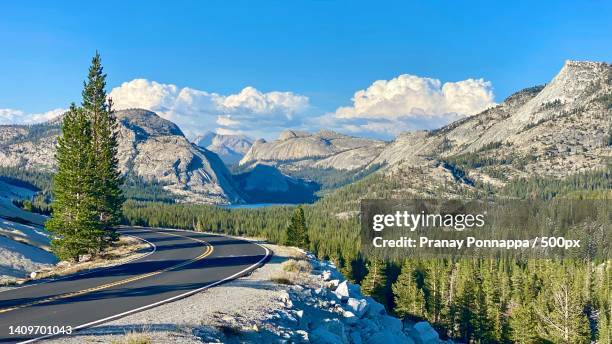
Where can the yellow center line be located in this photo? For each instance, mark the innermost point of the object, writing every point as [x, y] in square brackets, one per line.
[207, 252]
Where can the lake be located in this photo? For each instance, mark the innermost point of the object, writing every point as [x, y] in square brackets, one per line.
[257, 205]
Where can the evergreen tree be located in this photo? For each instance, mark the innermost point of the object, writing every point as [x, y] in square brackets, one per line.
[347, 268]
[523, 319]
[561, 306]
[409, 300]
[604, 331]
[436, 288]
[483, 326]
[74, 222]
[297, 233]
[108, 181]
[522, 322]
[375, 282]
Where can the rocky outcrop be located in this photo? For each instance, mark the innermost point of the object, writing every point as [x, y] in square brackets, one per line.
[295, 150]
[230, 148]
[149, 147]
[337, 312]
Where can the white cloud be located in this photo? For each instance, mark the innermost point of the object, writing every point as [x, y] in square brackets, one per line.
[384, 109]
[12, 116]
[249, 111]
[408, 102]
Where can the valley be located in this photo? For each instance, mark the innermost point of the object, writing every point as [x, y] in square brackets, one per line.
[543, 142]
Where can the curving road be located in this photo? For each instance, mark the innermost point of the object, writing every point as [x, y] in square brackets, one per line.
[181, 263]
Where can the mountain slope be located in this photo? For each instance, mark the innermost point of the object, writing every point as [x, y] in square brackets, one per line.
[230, 148]
[295, 149]
[554, 130]
[149, 147]
[266, 184]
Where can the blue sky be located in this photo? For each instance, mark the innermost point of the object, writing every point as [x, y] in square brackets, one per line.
[322, 51]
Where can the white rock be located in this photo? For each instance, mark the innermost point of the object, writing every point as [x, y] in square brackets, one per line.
[343, 291]
[333, 284]
[326, 275]
[63, 264]
[303, 334]
[33, 274]
[423, 333]
[284, 296]
[359, 307]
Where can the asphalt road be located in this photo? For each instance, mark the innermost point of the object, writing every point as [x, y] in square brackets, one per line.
[181, 263]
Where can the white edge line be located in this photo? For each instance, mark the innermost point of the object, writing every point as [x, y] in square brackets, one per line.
[91, 271]
[174, 298]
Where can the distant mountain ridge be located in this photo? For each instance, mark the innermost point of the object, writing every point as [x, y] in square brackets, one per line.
[294, 150]
[230, 148]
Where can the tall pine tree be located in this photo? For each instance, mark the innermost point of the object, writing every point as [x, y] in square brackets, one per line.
[86, 189]
[74, 222]
[409, 299]
[375, 282]
[108, 179]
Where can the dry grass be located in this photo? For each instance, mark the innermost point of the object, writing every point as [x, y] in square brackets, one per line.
[283, 279]
[125, 249]
[297, 266]
[135, 338]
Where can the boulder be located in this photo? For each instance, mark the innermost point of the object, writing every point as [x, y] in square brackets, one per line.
[358, 307]
[423, 333]
[333, 284]
[375, 309]
[326, 275]
[303, 335]
[329, 331]
[350, 318]
[386, 337]
[356, 338]
[322, 336]
[355, 291]
[390, 323]
[342, 291]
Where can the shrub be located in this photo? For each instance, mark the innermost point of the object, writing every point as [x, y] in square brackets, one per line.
[298, 266]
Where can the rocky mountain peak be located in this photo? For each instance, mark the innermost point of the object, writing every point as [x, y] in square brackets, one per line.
[557, 129]
[146, 123]
[291, 134]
